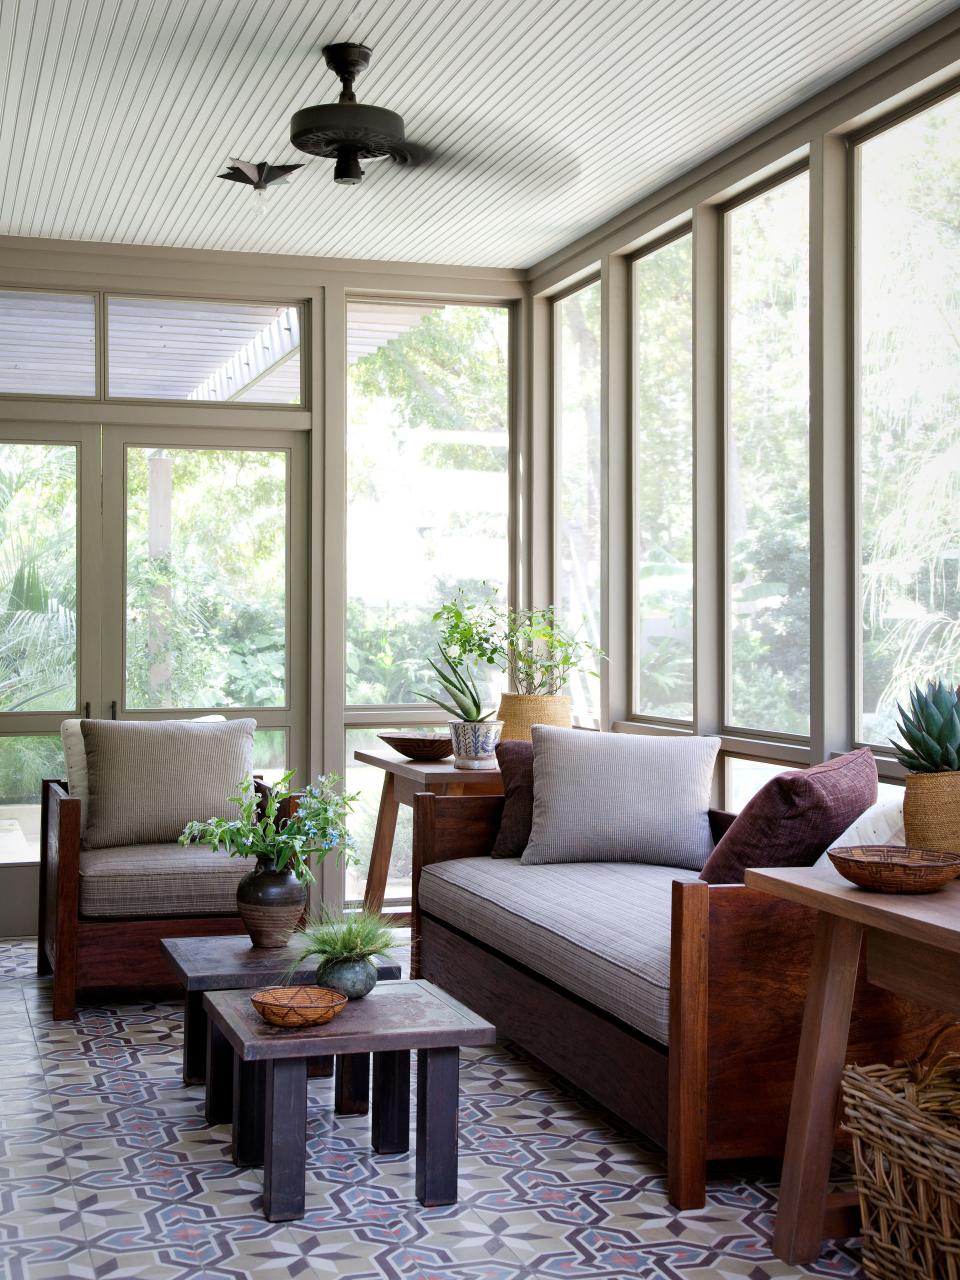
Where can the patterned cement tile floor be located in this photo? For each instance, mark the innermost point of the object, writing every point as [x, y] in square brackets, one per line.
[108, 1169]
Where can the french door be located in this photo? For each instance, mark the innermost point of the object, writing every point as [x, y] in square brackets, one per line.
[147, 573]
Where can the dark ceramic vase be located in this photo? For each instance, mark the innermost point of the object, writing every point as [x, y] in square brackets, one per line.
[352, 978]
[270, 903]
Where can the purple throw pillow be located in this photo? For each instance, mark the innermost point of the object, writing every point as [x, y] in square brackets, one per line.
[516, 766]
[791, 820]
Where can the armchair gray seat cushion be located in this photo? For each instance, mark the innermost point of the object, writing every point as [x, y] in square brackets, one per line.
[156, 880]
[599, 930]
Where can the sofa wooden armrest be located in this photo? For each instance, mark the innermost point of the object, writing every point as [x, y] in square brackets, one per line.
[740, 962]
[59, 888]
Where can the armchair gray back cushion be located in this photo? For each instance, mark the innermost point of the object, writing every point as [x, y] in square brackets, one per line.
[148, 779]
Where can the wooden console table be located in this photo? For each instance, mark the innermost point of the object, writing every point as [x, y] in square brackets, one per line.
[401, 781]
[912, 949]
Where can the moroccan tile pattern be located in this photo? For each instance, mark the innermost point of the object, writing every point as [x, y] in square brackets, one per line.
[107, 1169]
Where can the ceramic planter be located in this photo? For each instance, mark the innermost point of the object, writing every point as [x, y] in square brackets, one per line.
[270, 903]
[931, 811]
[521, 711]
[352, 978]
[475, 743]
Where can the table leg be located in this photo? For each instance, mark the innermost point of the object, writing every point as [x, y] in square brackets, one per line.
[382, 846]
[249, 1101]
[798, 1234]
[194, 1039]
[438, 1100]
[390, 1118]
[219, 1101]
[351, 1088]
[285, 1143]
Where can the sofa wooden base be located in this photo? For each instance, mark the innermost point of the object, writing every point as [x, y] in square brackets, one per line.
[739, 967]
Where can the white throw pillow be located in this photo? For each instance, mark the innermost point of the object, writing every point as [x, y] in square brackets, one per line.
[75, 758]
[882, 823]
[620, 797]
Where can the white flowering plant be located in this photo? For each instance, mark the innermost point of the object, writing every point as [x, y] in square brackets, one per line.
[316, 827]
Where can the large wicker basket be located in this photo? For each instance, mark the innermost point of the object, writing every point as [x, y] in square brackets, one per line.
[521, 711]
[905, 1123]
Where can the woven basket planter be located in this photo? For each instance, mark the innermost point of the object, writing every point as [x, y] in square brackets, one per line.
[905, 1124]
[521, 711]
[931, 811]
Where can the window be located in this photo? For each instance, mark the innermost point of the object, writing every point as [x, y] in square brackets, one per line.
[162, 349]
[25, 760]
[578, 443]
[38, 577]
[47, 344]
[767, 486]
[428, 489]
[663, 481]
[744, 778]
[909, 411]
[206, 577]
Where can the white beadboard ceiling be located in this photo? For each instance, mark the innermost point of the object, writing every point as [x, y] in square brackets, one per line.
[547, 116]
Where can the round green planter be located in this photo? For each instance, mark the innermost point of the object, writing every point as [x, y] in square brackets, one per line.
[352, 978]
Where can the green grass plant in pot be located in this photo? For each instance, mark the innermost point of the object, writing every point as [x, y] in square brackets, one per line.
[930, 751]
[285, 832]
[345, 947]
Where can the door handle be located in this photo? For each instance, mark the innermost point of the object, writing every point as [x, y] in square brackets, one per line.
[86, 711]
[113, 709]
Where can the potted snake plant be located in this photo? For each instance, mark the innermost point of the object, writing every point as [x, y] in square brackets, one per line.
[930, 752]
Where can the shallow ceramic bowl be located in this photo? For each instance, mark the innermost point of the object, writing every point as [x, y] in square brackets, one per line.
[893, 869]
[298, 1006]
[419, 746]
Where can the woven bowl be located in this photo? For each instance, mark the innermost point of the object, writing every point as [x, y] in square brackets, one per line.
[298, 1006]
[894, 869]
[419, 746]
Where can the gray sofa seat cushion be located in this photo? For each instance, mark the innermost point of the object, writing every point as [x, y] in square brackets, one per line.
[159, 880]
[599, 930]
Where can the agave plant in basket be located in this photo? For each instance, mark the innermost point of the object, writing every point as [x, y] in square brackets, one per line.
[930, 751]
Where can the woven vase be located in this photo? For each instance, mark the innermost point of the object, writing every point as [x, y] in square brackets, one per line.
[520, 711]
[931, 811]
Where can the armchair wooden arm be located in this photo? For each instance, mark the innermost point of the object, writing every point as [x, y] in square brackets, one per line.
[59, 892]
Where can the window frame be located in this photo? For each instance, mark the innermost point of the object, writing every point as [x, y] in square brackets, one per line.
[42, 397]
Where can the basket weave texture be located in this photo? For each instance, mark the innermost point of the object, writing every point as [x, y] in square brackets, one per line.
[905, 1124]
[298, 1006]
[521, 711]
[931, 811]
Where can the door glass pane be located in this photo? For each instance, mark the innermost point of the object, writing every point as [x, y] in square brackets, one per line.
[427, 483]
[270, 755]
[24, 762]
[578, 469]
[663, 481]
[368, 781]
[161, 349]
[909, 392]
[38, 577]
[768, 395]
[47, 344]
[206, 577]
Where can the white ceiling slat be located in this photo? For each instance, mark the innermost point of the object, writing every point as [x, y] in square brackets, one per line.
[550, 116]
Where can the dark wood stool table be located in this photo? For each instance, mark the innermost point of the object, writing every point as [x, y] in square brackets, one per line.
[230, 963]
[258, 1079]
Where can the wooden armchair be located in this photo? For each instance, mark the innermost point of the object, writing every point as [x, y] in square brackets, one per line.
[83, 946]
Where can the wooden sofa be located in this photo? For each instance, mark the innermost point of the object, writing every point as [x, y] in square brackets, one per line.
[738, 965]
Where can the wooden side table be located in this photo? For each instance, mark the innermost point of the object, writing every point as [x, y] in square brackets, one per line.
[912, 949]
[402, 779]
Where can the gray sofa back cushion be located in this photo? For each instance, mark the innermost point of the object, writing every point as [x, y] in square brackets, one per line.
[148, 779]
[619, 797]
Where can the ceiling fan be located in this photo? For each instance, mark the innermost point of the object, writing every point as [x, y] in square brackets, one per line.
[348, 131]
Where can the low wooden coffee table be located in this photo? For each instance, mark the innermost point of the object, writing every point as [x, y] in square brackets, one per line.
[231, 964]
[268, 1064]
